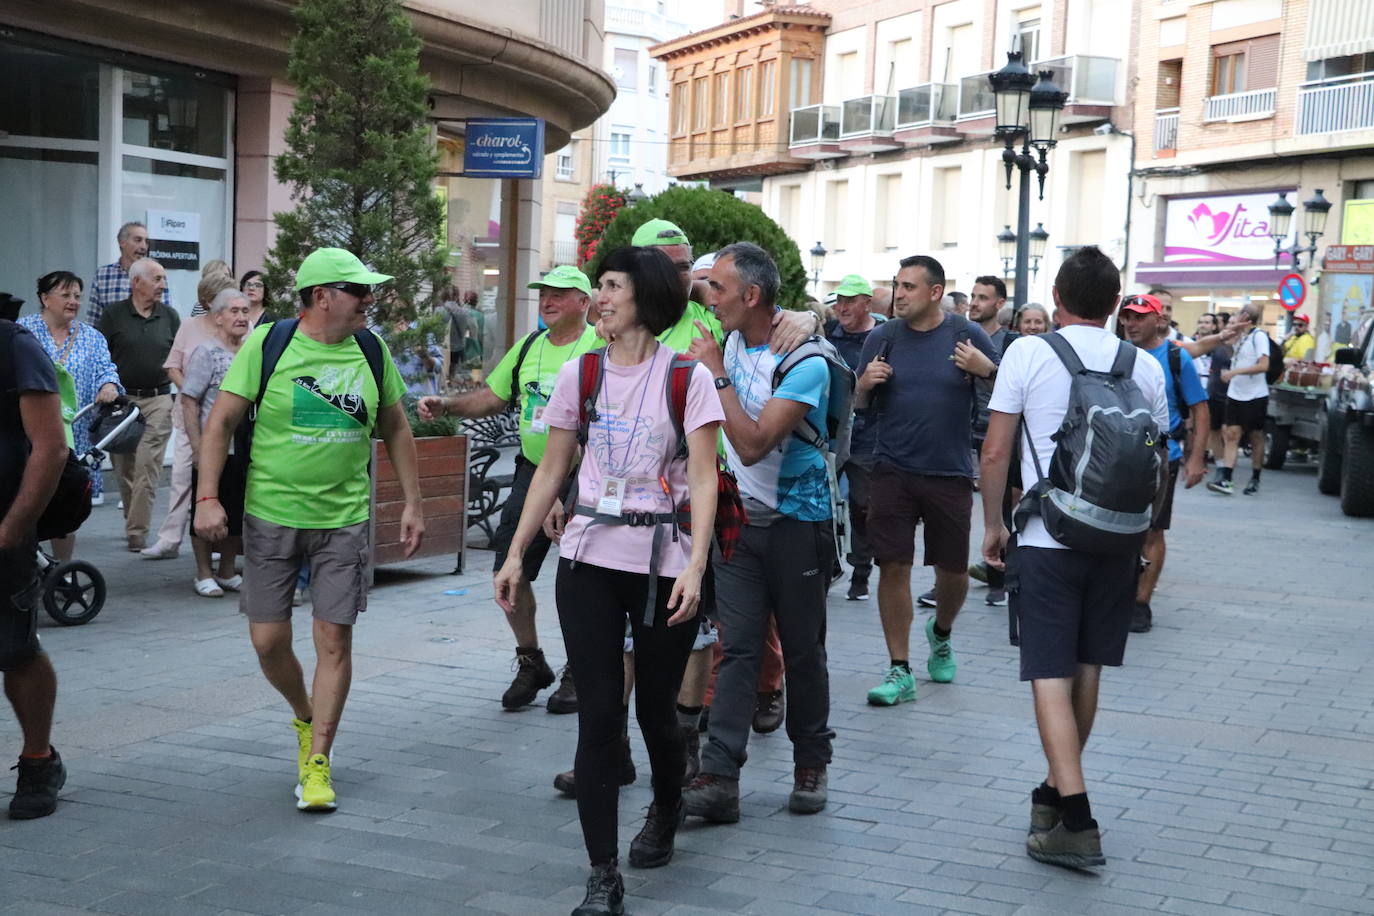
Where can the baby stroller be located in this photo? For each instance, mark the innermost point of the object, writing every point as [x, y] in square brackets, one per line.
[74, 591]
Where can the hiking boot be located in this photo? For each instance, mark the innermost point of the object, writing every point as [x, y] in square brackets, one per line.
[532, 675]
[605, 892]
[978, 572]
[997, 597]
[35, 794]
[1067, 848]
[713, 797]
[567, 782]
[1252, 487]
[1044, 818]
[769, 710]
[1142, 618]
[926, 599]
[653, 846]
[691, 739]
[305, 735]
[940, 664]
[1224, 487]
[899, 685]
[858, 585]
[564, 699]
[316, 790]
[808, 790]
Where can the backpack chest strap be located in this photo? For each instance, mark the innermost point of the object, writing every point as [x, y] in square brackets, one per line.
[640, 520]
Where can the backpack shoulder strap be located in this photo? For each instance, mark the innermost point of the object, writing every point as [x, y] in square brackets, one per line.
[274, 344]
[590, 372]
[806, 431]
[1066, 353]
[679, 380]
[1124, 364]
[514, 401]
[372, 352]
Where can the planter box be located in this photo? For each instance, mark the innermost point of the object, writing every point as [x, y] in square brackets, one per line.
[443, 471]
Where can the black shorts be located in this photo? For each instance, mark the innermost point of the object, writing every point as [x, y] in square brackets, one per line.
[233, 487]
[1216, 410]
[1248, 415]
[900, 499]
[1073, 608]
[510, 520]
[20, 588]
[1165, 512]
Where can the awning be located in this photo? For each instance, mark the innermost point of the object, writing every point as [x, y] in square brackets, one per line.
[1338, 28]
[1230, 275]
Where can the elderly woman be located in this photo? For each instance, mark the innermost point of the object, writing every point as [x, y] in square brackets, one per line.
[229, 316]
[190, 335]
[1035, 319]
[81, 350]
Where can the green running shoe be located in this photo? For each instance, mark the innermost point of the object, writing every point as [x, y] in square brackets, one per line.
[898, 685]
[941, 662]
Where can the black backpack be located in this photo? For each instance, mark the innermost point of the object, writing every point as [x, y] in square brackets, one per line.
[273, 346]
[1099, 494]
[1274, 371]
[70, 504]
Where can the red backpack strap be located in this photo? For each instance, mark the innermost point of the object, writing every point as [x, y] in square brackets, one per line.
[679, 381]
[588, 387]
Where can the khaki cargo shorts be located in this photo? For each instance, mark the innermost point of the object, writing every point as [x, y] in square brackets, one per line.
[272, 557]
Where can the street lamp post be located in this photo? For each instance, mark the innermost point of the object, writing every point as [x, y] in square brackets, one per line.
[1006, 249]
[1314, 213]
[817, 261]
[636, 194]
[1027, 109]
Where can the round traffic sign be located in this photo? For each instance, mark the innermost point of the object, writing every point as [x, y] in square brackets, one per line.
[1292, 291]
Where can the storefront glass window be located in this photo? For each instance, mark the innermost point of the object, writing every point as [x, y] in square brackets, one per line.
[48, 95]
[49, 201]
[191, 196]
[174, 113]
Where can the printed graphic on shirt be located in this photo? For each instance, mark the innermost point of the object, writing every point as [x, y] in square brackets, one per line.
[334, 402]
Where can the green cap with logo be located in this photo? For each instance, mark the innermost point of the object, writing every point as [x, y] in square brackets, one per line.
[335, 265]
[854, 285]
[564, 276]
[658, 232]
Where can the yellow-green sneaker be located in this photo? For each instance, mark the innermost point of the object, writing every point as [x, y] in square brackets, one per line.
[305, 734]
[316, 791]
[941, 663]
[898, 685]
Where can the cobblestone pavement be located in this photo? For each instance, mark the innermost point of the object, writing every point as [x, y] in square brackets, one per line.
[1230, 768]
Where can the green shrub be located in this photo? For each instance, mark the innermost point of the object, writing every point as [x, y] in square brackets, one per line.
[712, 220]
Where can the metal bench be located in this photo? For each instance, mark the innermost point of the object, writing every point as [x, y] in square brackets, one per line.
[488, 436]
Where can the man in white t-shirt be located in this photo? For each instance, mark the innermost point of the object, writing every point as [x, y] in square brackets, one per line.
[1074, 608]
[1247, 401]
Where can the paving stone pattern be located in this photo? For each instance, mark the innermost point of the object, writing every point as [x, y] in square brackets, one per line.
[1230, 768]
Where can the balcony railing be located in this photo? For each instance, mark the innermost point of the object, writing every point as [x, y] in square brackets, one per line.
[975, 96]
[1166, 129]
[627, 20]
[815, 124]
[868, 115]
[1087, 80]
[1336, 104]
[928, 103]
[1239, 105]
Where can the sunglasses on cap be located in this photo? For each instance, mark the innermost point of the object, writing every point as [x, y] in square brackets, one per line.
[358, 290]
[1140, 301]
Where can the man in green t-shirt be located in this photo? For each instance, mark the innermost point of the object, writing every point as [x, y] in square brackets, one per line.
[309, 496]
[564, 294]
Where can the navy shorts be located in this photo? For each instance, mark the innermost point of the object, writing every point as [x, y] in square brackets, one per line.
[1073, 608]
[510, 520]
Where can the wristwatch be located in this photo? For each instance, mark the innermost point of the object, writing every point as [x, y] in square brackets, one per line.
[723, 382]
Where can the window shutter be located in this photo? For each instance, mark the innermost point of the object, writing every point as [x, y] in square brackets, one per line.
[1262, 62]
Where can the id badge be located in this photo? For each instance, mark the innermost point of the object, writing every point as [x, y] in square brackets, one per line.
[612, 495]
[537, 422]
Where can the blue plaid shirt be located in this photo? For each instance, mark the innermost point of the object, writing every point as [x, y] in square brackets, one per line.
[111, 284]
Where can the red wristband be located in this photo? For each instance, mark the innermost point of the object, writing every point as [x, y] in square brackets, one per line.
[204, 498]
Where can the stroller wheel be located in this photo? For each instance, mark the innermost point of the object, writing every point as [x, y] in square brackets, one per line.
[73, 593]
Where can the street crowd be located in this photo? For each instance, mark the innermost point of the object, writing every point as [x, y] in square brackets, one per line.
[701, 459]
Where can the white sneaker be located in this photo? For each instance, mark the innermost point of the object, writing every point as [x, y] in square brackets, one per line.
[98, 500]
[121, 505]
[160, 551]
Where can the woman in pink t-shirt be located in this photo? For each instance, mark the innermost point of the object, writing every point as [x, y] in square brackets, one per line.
[629, 486]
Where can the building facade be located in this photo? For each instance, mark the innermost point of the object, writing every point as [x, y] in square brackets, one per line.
[127, 114]
[868, 127]
[1242, 100]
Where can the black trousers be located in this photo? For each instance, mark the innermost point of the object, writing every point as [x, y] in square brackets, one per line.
[593, 603]
[860, 483]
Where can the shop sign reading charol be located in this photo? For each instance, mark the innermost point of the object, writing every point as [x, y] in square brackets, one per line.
[1220, 228]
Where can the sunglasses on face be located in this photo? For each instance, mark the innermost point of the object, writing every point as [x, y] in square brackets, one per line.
[357, 290]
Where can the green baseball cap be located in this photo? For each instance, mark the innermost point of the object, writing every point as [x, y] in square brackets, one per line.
[335, 265]
[854, 285]
[658, 232]
[564, 276]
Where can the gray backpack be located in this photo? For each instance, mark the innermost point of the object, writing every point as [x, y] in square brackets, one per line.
[1099, 495]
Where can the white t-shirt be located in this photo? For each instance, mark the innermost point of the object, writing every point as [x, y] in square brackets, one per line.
[1033, 382]
[1247, 353]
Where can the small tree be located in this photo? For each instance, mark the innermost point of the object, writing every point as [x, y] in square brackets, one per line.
[599, 207]
[712, 220]
[360, 158]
